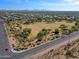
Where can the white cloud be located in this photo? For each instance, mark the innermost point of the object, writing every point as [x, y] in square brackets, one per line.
[60, 4]
[72, 2]
[65, 5]
[69, 0]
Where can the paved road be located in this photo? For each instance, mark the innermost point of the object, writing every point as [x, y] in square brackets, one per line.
[48, 45]
[4, 44]
[10, 55]
[3, 40]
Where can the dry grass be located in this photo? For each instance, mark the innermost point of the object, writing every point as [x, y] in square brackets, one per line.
[36, 27]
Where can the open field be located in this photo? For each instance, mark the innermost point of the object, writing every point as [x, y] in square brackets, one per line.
[36, 27]
[24, 41]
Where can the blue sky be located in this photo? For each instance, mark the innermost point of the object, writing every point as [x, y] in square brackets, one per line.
[54, 5]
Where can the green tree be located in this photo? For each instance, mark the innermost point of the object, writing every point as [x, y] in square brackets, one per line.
[56, 31]
[23, 35]
[42, 33]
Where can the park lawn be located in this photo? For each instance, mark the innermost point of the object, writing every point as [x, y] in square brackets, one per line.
[38, 26]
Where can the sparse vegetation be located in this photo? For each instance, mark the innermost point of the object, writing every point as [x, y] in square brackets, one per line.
[37, 29]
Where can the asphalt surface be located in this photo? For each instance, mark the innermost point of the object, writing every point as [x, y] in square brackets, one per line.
[4, 44]
[10, 55]
[48, 45]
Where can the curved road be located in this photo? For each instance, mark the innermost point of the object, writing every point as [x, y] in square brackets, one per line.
[10, 55]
